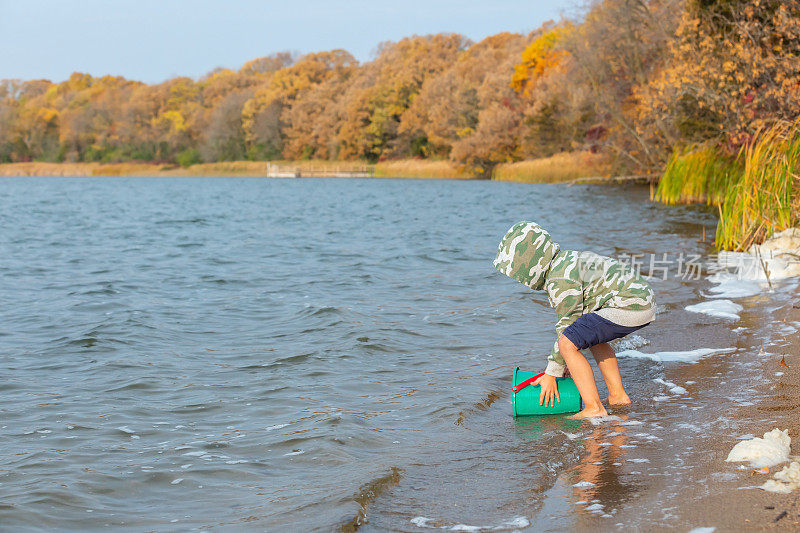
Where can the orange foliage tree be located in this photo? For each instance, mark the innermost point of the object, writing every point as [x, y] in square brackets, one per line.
[629, 78]
[733, 68]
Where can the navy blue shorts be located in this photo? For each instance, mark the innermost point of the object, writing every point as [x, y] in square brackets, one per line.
[592, 329]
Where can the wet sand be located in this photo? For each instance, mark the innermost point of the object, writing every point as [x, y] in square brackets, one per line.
[661, 465]
[732, 506]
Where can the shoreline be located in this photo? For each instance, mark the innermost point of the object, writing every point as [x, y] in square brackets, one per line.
[572, 167]
[737, 502]
[687, 482]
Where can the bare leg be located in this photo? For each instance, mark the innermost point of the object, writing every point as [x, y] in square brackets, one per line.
[584, 379]
[607, 362]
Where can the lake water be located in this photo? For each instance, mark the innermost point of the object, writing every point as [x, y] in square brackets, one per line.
[298, 355]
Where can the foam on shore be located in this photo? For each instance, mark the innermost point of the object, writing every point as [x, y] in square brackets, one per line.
[776, 258]
[717, 308]
[786, 481]
[771, 450]
[631, 342]
[520, 522]
[733, 286]
[691, 356]
[673, 388]
[755, 269]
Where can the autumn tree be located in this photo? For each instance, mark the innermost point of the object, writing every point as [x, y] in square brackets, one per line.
[447, 106]
[733, 68]
[262, 114]
[495, 140]
[614, 53]
[267, 65]
[35, 130]
[223, 136]
[313, 121]
[384, 89]
[631, 78]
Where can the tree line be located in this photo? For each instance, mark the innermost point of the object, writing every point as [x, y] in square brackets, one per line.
[633, 79]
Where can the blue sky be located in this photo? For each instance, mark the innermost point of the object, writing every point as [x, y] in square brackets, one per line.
[152, 40]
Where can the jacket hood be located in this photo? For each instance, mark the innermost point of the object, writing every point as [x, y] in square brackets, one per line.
[525, 254]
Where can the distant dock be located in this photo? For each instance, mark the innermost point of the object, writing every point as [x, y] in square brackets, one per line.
[343, 171]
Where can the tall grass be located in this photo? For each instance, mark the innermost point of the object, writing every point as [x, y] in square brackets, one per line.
[419, 168]
[756, 191]
[697, 175]
[766, 197]
[565, 166]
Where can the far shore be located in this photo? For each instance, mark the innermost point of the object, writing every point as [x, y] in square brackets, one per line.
[564, 167]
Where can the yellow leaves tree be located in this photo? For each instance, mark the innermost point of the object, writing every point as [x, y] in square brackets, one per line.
[632, 78]
[261, 115]
[448, 104]
[385, 88]
[540, 57]
[733, 69]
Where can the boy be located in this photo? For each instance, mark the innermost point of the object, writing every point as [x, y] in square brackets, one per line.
[597, 299]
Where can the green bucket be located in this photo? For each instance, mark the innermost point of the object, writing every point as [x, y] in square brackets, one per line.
[525, 402]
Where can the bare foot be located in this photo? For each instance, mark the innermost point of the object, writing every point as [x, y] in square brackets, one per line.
[590, 412]
[619, 399]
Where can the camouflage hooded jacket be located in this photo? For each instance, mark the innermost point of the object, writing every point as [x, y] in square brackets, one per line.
[576, 282]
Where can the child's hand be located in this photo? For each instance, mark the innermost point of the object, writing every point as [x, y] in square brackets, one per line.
[549, 394]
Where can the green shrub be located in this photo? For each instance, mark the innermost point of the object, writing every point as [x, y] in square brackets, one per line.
[188, 157]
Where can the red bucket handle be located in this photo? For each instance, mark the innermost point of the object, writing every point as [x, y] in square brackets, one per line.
[519, 386]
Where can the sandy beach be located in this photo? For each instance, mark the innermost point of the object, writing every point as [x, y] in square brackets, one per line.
[731, 503]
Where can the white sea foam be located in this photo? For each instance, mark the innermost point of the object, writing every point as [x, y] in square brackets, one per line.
[777, 256]
[707, 529]
[198, 453]
[583, 485]
[595, 507]
[786, 481]
[732, 286]
[691, 356]
[744, 274]
[717, 308]
[296, 452]
[276, 426]
[770, 450]
[514, 523]
[519, 521]
[598, 420]
[673, 388]
[631, 342]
